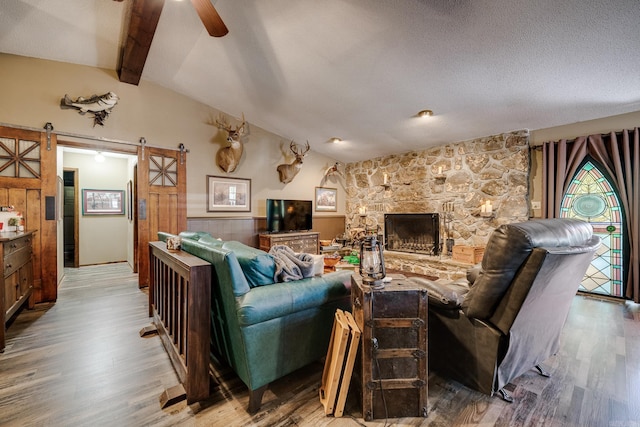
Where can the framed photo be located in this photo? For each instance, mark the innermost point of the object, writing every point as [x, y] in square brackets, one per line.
[103, 202]
[226, 194]
[326, 199]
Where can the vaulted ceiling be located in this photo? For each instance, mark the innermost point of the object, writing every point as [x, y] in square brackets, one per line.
[358, 69]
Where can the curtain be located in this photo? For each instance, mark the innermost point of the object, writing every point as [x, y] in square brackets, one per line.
[619, 154]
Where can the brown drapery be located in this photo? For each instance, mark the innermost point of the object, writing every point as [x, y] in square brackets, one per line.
[619, 154]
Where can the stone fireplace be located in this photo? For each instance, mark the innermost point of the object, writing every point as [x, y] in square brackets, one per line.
[461, 176]
[412, 232]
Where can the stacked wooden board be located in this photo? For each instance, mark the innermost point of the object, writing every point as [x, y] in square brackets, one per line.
[338, 366]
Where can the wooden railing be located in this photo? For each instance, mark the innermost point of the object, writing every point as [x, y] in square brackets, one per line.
[180, 304]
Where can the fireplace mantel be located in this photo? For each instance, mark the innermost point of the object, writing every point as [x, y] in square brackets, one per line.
[442, 267]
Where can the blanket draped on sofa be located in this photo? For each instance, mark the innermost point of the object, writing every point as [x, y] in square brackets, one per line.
[289, 265]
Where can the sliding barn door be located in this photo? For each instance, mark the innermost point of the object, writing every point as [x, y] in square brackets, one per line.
[162, 204]
[28, 183]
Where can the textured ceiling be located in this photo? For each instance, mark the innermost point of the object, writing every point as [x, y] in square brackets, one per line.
[361, 69]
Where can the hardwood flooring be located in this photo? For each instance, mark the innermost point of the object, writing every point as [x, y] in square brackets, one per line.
[82, 362]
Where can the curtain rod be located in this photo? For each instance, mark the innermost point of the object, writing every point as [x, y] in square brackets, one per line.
[618, 133]
[89, 137]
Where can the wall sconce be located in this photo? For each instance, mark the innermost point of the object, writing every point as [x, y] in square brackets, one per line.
[362, 211]
[372, 263]
[486, 209]
[440, 178]
[385, 181]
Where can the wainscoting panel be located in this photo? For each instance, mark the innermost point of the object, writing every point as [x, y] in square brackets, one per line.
[246, 230]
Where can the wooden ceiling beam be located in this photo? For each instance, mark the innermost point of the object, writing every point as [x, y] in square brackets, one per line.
[145, 15]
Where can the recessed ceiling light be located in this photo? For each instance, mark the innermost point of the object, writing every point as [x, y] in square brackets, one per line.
[335, 139]
[425, 113]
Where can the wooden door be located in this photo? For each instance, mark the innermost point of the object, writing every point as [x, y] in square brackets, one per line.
[28, 182]
[162, 206]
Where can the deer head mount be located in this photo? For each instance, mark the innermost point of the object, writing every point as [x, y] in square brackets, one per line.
[228, 158]
[288, 171]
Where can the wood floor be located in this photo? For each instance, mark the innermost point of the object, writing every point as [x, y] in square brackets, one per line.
[81, 362]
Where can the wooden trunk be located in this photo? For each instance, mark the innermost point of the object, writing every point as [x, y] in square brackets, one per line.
[392, 371]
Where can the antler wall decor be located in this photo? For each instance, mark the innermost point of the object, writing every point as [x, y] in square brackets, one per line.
[331, 171]
[228, 158]
[288, 171]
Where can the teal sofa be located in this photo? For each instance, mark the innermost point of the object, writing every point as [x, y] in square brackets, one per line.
[261, 329]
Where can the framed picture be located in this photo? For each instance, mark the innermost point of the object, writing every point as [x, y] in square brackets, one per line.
[226, 194]
[326, 199]
[103, 202]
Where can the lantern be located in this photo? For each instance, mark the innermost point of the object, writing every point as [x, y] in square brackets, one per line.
[372, 262]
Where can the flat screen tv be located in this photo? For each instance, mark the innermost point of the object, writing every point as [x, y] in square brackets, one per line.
[289, 215]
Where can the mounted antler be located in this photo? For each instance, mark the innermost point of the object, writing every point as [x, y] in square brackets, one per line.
[228, 158]
[288, 171]
[333, 170]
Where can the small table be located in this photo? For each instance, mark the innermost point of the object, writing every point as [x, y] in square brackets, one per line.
[392, 361]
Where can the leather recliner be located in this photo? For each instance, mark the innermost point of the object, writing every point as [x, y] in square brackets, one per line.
[507, 317]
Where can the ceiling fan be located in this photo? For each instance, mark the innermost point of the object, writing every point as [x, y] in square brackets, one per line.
[210, 18]
[141, 30]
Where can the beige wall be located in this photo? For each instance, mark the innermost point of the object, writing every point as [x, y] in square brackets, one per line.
[103, 238]
[31, 92]
[571, 131]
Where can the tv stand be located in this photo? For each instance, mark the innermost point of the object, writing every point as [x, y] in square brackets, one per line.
[306, 241]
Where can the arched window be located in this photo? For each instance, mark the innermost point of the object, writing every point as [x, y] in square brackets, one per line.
[592, 198]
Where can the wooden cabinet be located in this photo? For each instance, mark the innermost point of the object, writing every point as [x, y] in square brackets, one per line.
[306, 242]
[17, 281]
[392, 367]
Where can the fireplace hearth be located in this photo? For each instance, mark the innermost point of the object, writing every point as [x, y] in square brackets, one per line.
[412, 232]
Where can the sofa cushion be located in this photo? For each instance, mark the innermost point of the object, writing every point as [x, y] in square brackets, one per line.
[193, 235]
[271, 302]
[258, 266]
[208, 239]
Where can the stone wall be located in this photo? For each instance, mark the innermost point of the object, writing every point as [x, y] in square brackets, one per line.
[494, 168]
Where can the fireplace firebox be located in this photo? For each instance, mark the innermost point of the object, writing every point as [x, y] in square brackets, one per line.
[412, 232]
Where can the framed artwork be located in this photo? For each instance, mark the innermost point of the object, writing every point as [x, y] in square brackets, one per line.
[226, 194]
[102, 202]
[326, 199]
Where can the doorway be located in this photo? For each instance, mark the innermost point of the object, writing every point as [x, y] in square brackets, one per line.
[88, 236]
[70, 218]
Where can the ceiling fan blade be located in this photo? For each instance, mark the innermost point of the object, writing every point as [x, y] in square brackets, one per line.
[210, 18]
